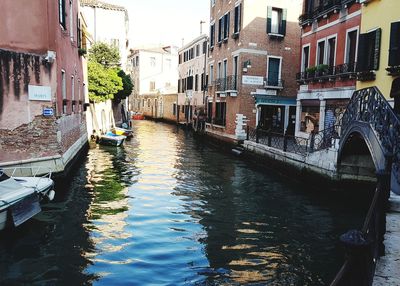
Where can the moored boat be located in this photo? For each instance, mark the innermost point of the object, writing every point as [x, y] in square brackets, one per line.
[122, 131]
[111, 139]
[21, 197]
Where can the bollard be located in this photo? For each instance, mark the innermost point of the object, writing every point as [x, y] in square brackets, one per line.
[248, 133]
[269, 135]
[285, 139]
[256, 134]
[358, 253]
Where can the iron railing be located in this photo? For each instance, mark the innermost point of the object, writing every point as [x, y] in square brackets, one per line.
[322, 8]
[328, 73]
[323, 139]
[364, 247]
[274, 82]
[284, 142]
[226, 83]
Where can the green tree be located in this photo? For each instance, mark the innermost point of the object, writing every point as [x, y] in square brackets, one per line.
[105, 55]
[104, 82]
[127, 86]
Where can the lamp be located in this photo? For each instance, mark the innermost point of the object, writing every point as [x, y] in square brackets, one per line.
[246, 65]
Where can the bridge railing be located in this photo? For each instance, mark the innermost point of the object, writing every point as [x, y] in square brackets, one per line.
[364, 247]
[370, 106]
[324, 139]
[284, 142]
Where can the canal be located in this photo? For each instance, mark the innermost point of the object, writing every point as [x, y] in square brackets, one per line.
[168, 209]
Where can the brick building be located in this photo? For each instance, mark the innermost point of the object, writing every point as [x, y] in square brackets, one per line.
[192, 79]
[42, 84]
[327, 75]
[252, 63]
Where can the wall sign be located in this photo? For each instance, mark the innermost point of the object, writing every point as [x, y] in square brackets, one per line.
[48, 112]
[39, 93]
[252, 80]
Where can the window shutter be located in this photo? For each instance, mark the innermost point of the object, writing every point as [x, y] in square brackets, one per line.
[227, 24]
[269, 19]
[394, 49]
[283, 24]
[377, 48]
[362, 53]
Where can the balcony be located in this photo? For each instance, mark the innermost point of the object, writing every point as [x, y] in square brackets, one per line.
[323, 73]
[226, 84]
[323, 8]
[273, 83]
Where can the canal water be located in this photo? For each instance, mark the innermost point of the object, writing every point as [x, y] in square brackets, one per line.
[169, 209]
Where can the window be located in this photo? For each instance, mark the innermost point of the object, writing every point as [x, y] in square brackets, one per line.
[196, 82]
[115, 43]
[235, 72]
[152, 62]
[189, 82]
[394, 48]
[276, 21]
[61, 13]
[238, 15]
[219, 71]
[321, 52]
[212, 35]
[225, 70]
[174, 109]
[71, 21]
[63, 85]
[226, 26]
[212, 3]
[197, 50]
[220, 113]
[369, 51]
[204, 47]
[305, 61]
[351, 47]
[274, 71]
[220, 29]
[211, 74]
[73, 93]
[331, 51]
[152, 85]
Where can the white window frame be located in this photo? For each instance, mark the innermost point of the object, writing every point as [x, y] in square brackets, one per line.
[302, 56]
[225, 68]
[357, 28]
[71, 21]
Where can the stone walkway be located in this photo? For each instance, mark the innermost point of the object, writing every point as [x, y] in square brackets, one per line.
[387, 271]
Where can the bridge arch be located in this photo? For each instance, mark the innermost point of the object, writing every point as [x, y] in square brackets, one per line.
[360, 154]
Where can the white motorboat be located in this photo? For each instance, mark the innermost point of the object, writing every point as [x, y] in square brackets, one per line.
[20, 197]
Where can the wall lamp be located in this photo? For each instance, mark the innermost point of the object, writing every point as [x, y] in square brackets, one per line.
[246, 65]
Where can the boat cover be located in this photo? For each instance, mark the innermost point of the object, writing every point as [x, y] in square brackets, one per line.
[11, 190]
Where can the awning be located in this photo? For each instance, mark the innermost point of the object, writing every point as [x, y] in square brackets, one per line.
[275, 100]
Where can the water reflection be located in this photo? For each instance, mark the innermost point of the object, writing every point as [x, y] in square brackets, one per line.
[165, 209]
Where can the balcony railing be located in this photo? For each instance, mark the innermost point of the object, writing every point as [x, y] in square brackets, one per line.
[273, 83]
[228, 83]
[324, 73]
[324, 7]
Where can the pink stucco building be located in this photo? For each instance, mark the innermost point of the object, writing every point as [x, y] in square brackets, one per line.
[42, 83]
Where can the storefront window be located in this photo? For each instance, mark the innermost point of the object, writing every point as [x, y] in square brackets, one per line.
[309, 119]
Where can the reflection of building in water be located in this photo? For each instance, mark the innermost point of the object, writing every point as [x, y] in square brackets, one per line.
[108, 210]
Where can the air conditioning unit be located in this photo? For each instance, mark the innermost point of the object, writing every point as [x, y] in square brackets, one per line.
[50, 57]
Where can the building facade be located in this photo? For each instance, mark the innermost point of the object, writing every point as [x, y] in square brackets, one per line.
[192, 79]
[154, 74]
[99, 15]
[42, 84]
[252, 64]
[327, 75]
[379, 48]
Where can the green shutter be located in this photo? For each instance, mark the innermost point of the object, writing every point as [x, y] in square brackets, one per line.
[377, 48]
[362, 53]
[282, 27]
[394, 49]
[269, 19]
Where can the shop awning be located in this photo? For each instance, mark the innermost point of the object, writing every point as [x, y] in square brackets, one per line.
[275, 100]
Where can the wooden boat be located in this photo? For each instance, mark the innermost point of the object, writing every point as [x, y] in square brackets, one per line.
[21, 197]
[111, 139]
[122, 131]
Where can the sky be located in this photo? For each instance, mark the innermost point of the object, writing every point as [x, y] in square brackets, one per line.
[165, 22]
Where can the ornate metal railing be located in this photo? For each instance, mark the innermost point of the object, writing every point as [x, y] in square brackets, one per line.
[284, 142]
[226, 83]
[369, 105]
[273, 82]
[328, 73]
[364, 247]
[323, 139]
